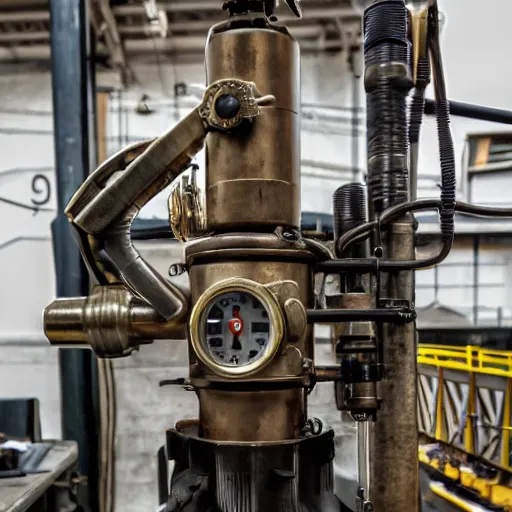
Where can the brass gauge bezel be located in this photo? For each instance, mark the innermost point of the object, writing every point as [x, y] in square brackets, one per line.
[198, 320]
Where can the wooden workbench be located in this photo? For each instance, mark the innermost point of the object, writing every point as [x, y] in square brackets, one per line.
[18, 494]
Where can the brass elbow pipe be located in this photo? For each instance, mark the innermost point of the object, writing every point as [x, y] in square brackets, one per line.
[111, 321]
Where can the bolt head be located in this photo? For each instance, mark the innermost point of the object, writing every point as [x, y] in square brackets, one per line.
[227, 106]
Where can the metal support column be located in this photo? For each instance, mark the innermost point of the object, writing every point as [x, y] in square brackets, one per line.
[395, 469]
[73, 106]
[476, 254]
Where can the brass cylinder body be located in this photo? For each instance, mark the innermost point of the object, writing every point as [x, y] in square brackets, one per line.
[254, 416]
[253, 174]
[267, 415]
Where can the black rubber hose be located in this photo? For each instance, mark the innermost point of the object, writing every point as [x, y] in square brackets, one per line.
[361, 232]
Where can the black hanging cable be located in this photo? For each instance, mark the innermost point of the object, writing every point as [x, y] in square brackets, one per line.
[361, 232]
[446, 149]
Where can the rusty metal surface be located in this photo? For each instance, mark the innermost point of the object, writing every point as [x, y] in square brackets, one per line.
[394, 474]
[265, 415]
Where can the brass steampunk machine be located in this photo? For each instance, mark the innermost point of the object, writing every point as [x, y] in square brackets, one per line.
[252, 302]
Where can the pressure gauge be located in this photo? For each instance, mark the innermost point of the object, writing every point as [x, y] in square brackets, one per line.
[236, 327]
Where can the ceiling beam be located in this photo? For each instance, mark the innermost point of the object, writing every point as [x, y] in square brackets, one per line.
[105, 25]
[24, 37]
[185, 46]
[303, 31]
[17, 16]
[195, 7]
[214, 6]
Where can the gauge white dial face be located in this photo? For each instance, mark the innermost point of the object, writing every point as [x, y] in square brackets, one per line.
[237, 329]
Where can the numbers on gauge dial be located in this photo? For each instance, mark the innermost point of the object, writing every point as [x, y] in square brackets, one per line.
[237, 329]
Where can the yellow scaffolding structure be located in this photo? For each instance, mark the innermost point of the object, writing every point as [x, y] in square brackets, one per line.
[473, 361]
[462, 382]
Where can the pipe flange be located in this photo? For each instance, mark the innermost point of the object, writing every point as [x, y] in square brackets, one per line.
[107, 322]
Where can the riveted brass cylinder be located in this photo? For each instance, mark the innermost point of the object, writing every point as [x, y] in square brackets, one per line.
[240, 414]
[253, 175]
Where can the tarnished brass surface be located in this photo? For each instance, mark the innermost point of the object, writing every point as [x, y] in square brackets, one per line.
[328, 373]
[98, 179]
[296, 319]
[419, 28]
[277, 244]
[111, 321]
[150, 173]
[204, 276]
[394, 474]
[253, 176]
[233, 202]
[251, 416]
[250, 101]
[267, 415]
[264, 272]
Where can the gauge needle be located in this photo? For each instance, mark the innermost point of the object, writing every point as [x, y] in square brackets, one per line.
[236, 326]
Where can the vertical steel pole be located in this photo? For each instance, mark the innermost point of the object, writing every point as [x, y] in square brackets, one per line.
[73, 107]
[476, 268]
[394, 479]
[395, 472]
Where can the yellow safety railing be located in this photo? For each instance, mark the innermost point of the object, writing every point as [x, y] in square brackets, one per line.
[472, 360]
[468, 359]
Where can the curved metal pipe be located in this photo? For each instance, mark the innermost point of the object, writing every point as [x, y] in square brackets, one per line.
[103, 213]
[138, 275]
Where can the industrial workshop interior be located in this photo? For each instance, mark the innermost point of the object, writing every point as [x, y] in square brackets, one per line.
[256, 256]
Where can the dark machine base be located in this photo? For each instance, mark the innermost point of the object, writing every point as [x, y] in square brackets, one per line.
[210, 476]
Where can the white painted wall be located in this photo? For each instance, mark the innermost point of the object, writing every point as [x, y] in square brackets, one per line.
[478, 70]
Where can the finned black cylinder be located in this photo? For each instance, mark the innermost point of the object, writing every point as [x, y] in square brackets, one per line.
[350, 211]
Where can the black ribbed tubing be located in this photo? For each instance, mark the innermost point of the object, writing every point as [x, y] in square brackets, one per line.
[387, 83]
[446, 149]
